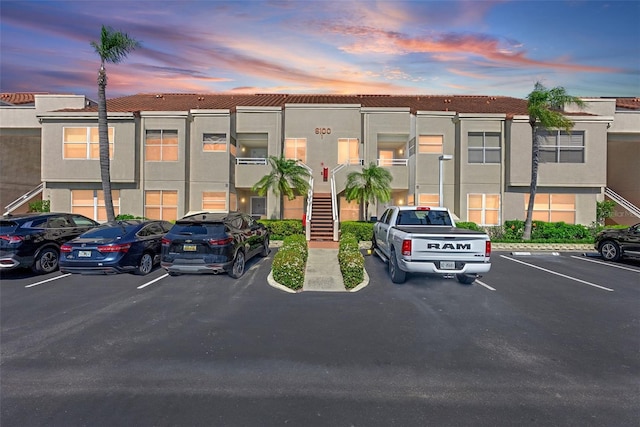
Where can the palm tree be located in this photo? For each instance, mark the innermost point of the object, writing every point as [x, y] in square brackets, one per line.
[112, 48]
[287, 177]
[545, 111]
[373, 183]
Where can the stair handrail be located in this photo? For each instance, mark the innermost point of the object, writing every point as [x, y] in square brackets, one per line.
[23, 199]
[334, 201]
[622, 201]
[309, 200]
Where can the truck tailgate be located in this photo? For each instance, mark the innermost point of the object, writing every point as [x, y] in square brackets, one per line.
[446, 243]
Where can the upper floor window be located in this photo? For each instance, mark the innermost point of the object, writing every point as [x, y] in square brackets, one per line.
[484, 147]
[430, 144]
[348, 151]
[84, 143]
[214, 142]
[296, 149]
[161, 145]
[561, 147]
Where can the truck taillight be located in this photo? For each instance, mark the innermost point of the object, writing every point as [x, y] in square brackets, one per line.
[406, 247]
[487, 248]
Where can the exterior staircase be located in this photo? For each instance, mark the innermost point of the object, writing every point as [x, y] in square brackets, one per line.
[321, 226]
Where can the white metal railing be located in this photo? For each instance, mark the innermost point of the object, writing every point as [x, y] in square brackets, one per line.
[622, 201]
[23, 199]
[309, 200]
[354, 162]
[334, 201]
[393, 162]
[251, 161]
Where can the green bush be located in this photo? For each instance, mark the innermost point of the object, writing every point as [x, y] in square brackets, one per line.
[363, 231]
[290, 261]
[468, 225]
[124, 217]
[40, 206]
[351, 261]
[281, 228]
[541, 232]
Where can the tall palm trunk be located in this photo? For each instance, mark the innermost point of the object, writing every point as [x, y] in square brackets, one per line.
[535, 155]
[103, 138]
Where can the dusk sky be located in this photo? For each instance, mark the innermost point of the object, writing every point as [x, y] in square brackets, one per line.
[592, 48]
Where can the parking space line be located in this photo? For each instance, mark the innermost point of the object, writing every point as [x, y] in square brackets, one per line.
[153, 281]
[48, 280]
[606, 263]
[558, 274]
[485, 285]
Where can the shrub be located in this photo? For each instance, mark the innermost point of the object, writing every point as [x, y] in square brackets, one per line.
[40, 206]
[543, 232]
[124, 217]
[351, 261]
[468, 225]
[363, 231]
[281, 228]
[290, 261]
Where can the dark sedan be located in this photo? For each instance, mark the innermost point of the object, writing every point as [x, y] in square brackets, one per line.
[33, 240]
[213, 243]
[132, 246]
[613, 244]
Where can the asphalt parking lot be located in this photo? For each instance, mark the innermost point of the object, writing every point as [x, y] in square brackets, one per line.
[540, 340]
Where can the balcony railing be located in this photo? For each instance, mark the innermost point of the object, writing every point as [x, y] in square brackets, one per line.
[251, 161]
[393, 162]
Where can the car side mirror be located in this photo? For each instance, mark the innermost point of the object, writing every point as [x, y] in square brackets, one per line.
[373, 219]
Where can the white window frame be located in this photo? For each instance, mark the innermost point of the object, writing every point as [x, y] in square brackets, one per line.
[559, 146]
[296, 143]
[484, 208]
[221, 139]
[429, 144]
[111, 130]
[484, 148]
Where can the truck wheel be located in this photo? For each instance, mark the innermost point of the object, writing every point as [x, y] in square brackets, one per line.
[610, 250]
[397, 275]
[466, 279]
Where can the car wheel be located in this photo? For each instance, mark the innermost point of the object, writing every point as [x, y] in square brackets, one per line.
[466, 279]
[237, 269]
[610, 250]
[397, 275]
[46, 261]
[145, 265]
[265, 248]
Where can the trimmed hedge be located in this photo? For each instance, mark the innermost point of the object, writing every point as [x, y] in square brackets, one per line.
[281, 228]
[361, 230]
[351, 261]
[290, 261]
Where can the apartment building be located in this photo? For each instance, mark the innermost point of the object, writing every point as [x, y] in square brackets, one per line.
[173, 154]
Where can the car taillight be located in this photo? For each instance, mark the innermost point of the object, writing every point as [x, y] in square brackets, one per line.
[66, 248]
[165, 241]
[220, 242]
[487, 248]
[11, 239]
[406, 247]
[123, 247]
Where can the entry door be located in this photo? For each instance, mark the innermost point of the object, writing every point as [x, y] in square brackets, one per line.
[258, 206]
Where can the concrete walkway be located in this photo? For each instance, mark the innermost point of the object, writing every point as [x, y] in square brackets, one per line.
[323, 271]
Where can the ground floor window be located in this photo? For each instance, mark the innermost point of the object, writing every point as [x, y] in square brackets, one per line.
[258, 206]
[214, 201]
[483, 209]
[90, 203]
[293, 209]
[349, 211]
[425, 199]
[161, 204]
[553, 207]
[233, 202]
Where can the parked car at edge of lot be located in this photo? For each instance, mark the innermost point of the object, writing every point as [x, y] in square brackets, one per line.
[213, 243]
[33, 240]
[614, 244]
[131, 246]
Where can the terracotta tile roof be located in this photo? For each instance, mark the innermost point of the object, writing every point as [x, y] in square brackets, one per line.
[628, 103]
[185, 102]
[18, 98]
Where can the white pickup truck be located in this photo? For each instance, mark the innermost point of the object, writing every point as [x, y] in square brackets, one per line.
[419, 239]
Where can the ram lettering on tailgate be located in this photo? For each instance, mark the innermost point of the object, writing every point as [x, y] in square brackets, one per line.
[457, 246]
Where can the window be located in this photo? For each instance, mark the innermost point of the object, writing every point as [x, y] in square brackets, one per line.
[84, 143]
[214, 201]
[385, 157]
[296, 149]
[483, 209]
[348, 151]
[161, 146]
[428, 199]
[161, 204]
[484, 147]
[233, 202]
[553, 207]
[90, 203]
[561, 146]
[214, 142]
[430, 144]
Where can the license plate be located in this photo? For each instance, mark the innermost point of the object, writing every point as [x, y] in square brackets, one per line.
[447, 265]
[189, 248]
[84, 254]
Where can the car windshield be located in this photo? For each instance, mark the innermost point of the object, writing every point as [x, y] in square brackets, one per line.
[198, 229]
[110, 232]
